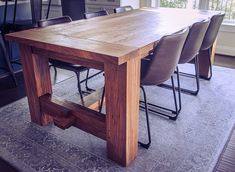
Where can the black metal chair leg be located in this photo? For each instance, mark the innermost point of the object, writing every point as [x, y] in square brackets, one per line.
[197, 73]
[86, 83]
[48, 9]
[102, 100]
[196, 77]
[79, 85]
[13, 75]
[175, 100]
[9, 66]
[155, 108]
[210, 63]
[55, 70]
[179, 89]
[146, 145]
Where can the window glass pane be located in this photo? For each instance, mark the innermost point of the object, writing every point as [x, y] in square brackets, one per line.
[224, 5]
[179, 3]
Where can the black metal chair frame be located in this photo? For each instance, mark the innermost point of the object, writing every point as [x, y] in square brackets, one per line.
[195, 61]
[77, 72]
[177, 104]
[6, 58]
[103, 12]
[146, 145]
[194, 76]
[77, 69]
[146, 80]
[149, 107]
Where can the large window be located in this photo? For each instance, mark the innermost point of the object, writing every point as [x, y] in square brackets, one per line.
[224, 5]
[228, 6]
[178, 3]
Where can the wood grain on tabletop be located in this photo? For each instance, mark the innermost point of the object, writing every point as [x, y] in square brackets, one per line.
[111, 38]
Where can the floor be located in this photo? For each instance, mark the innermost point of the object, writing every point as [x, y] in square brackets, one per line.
[225, 163]
[227, 159]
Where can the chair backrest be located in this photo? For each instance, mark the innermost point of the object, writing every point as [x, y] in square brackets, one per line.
[194, 41]
[96, 14]
[73, 8]
[36, 11]
[54, 21]
[123, 9]
[212, 31]
[162, 63]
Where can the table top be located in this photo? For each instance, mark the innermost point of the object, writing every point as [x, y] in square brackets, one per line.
[112, 38]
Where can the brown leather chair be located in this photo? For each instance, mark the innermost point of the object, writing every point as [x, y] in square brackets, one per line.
[157, 68]
[95, 14]
[190, 52]
[73, 8]
[210, 37]
[60, 64]
[123, 9]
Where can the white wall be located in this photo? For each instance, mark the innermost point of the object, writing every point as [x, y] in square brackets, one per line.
[226, 40]
[134, 3]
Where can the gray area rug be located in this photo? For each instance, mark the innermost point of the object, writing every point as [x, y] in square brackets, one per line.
[192, 143]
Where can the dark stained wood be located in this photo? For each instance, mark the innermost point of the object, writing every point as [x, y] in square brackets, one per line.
[66, 113]
[37, 82]
[226, 162]
[108, 43]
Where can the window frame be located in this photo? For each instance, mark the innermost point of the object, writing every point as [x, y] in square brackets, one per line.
[203, 5]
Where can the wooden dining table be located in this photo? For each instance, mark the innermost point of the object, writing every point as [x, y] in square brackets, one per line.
[115, 44]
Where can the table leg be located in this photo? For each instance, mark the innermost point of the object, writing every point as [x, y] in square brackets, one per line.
[122, 108]
[204, 65]
[37, 82]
